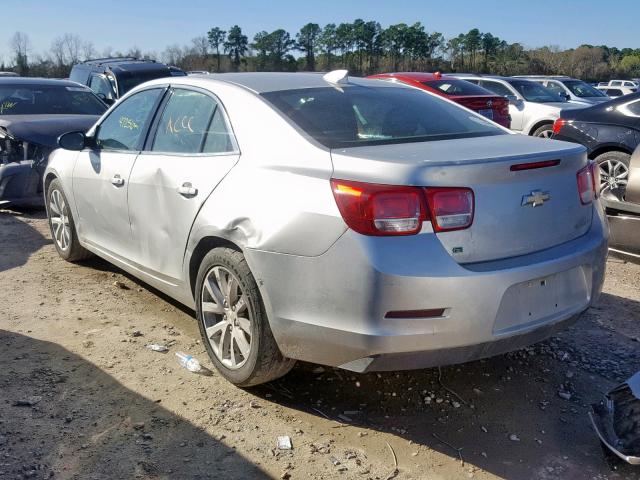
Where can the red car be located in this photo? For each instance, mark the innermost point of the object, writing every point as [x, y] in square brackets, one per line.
[465, 93]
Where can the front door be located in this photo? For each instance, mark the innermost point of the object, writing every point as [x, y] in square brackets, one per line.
[516, 107]
[101, 174]
[191, 152]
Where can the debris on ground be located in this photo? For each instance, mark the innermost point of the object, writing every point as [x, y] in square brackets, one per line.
[120, 285]
[157, 347]
[284, 443]
[188, 362]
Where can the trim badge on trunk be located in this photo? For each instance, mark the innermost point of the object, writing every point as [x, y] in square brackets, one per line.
[535, 198]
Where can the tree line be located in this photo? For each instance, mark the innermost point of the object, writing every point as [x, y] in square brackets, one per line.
[362, 47]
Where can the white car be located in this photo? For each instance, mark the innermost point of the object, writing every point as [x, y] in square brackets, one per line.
[619, 91]
[533, 108]
[619, 83]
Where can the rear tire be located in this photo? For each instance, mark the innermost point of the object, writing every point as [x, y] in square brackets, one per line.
[614, 174]
[62, 226]
[233, 323]
[544, 131]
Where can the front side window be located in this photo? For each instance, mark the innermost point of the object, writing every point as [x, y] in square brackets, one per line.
[497, 88]
[100, 85]
[555, 88]
[191, 123]
[355, 116]
[125, 125]
[534, 92]
[28, 99]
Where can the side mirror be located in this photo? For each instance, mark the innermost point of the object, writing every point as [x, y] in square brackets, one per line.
[74, 141]
[513, 100]
[105, 99]
[564, 96]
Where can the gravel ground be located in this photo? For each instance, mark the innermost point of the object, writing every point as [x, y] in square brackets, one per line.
[82, 398]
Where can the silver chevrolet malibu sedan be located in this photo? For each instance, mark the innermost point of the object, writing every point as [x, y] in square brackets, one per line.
[342, 221]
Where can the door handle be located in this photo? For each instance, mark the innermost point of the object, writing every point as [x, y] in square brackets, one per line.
[187, 190]
[117, 180]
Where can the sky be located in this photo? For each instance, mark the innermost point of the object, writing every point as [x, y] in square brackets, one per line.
[152, 25]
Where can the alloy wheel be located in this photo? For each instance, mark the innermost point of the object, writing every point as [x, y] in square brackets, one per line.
[227, 317]
[614, 176]
[545, 133]
[59, 218]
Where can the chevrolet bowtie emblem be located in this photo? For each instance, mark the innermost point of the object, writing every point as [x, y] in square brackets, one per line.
[535, 198]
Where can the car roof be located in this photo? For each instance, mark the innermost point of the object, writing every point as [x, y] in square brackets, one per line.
[38, 81]
[263, 82]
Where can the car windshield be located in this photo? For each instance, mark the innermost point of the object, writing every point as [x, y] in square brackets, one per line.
[355, 116]
[457, 87]
[582, 89]
[534, 92]
[25, 99]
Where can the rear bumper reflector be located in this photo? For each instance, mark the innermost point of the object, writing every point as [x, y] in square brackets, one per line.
[533, 165]
[430, 313]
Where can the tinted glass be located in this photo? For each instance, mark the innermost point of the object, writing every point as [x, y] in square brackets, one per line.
[582, 89]
[614, 92]
[132, 78]
[555, 88]
[125, 125]
[47, 100]
[496, 88]
[615, 83]
[457, 87]
[355, 116]
[185, 123]
[534, 92]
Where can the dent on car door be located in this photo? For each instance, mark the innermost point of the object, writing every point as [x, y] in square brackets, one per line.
[191, 151]
[101, 174]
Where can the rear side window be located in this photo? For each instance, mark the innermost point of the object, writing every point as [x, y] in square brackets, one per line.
[614, 92]
[497, 88]
[191, 123]
[457, 87]
[355, 116]
[100, 85]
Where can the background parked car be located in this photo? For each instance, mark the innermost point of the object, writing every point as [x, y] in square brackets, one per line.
[8, 74]
[110, 78]
[474, 97]
[624, 213]
[619, 83]
[619, 91]
[532, 107]
[611, 132]
[345, 232]
[570, 89]
[33, 113]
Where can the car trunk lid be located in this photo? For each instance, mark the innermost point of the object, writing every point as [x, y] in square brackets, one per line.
[506, 222]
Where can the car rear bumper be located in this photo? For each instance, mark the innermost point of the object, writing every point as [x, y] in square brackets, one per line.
[331, 309]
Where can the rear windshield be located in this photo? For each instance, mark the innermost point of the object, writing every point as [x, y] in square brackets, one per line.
[457, 87]
[48, 100]
[534, 92]
[130, 79]
[582, 89]
[355, 116]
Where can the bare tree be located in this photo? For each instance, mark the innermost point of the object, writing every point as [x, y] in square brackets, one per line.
[201, 46]
[88, 50]
[20, 45]
[72, 48]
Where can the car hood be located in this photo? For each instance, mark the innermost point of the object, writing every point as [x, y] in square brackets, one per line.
[44, 129]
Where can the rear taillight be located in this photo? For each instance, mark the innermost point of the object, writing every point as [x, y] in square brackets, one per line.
[451, 208]
[372, 209]
[588, 183]
[558, 124]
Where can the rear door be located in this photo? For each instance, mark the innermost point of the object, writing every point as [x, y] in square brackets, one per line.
[189, 154]
[101, 174]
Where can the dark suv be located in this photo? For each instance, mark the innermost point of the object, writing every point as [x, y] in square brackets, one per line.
[110, 78]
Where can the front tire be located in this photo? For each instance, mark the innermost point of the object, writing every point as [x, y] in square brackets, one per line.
[233, 322]
[62, 226]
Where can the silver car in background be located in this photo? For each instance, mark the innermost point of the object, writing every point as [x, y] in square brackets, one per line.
[569, 89]
[348, 222]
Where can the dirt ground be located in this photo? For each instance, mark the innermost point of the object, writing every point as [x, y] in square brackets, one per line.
[82, 398]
